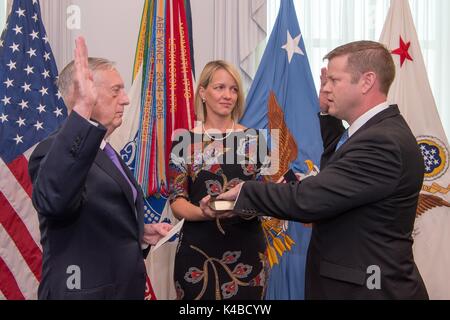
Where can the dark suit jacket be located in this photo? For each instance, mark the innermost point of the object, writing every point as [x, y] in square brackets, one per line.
[363, 206]
[87, 217]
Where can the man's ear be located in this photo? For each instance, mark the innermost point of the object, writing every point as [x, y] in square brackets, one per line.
[368, 80]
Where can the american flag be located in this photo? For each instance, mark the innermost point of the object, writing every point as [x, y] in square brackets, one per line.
[30, 109]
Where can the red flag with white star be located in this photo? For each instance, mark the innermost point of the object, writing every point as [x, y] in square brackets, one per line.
[412, 92]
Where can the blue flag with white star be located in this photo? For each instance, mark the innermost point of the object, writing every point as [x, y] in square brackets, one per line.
[285, 70]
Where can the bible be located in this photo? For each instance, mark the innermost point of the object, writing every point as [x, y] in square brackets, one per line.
[221, 205]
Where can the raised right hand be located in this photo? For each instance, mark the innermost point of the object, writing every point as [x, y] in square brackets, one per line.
[323, 100]
[84, 92]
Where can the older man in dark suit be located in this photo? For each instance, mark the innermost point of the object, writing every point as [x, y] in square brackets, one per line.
[363, 202]
[90, 206]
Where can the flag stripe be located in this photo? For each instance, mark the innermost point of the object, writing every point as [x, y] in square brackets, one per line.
[23, 276]
[20, 201]
[8, 285]
[19, 168]
[21, 237]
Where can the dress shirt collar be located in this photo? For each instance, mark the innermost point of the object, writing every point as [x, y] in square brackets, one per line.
[366, 117]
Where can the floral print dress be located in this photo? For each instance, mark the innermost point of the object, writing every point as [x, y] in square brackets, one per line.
[221, 259]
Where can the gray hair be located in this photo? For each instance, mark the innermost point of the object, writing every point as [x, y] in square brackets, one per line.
[65, 79]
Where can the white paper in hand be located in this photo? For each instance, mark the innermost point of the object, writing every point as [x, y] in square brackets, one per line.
[176, 228]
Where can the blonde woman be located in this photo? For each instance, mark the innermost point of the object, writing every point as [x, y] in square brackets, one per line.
[219, 256]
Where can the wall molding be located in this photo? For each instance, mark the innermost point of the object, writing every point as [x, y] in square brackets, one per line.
[54, 16]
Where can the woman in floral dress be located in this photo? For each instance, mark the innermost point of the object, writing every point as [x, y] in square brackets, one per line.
[219, 256]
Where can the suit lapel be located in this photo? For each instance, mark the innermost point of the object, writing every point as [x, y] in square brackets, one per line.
[110, 169]
[391, 111]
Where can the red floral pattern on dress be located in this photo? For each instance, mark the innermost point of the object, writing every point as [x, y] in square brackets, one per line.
[249, 169]
[194, 275]
[229, 289]
[242, 271]
[259, 280]
[231, 257]
[213, 187]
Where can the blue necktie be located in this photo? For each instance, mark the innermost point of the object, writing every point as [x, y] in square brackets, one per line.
[344, 138]
[115, 159]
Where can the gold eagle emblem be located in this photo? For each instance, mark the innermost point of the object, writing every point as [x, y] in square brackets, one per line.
[428, 202]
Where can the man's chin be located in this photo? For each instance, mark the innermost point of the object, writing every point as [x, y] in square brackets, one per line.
[118, 122]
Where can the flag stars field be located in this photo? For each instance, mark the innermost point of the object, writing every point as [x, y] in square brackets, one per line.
[18, 30]
[32, 52]
[29, 70]
[6, 100]
[41, 108]
[15, 47]
[38, 126]
[23, 104]
[34, 35]
[44, 91]
[11, 65]
[4, 118]
[21, 122]
[18, 139]
[26, 87]
[46, 74]
[20, 12]
[58, 112]
[9, 83]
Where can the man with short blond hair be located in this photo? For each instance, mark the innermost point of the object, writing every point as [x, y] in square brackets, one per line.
[363, 202]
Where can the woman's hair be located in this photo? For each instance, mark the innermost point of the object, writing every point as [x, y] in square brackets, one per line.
[205, 78]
